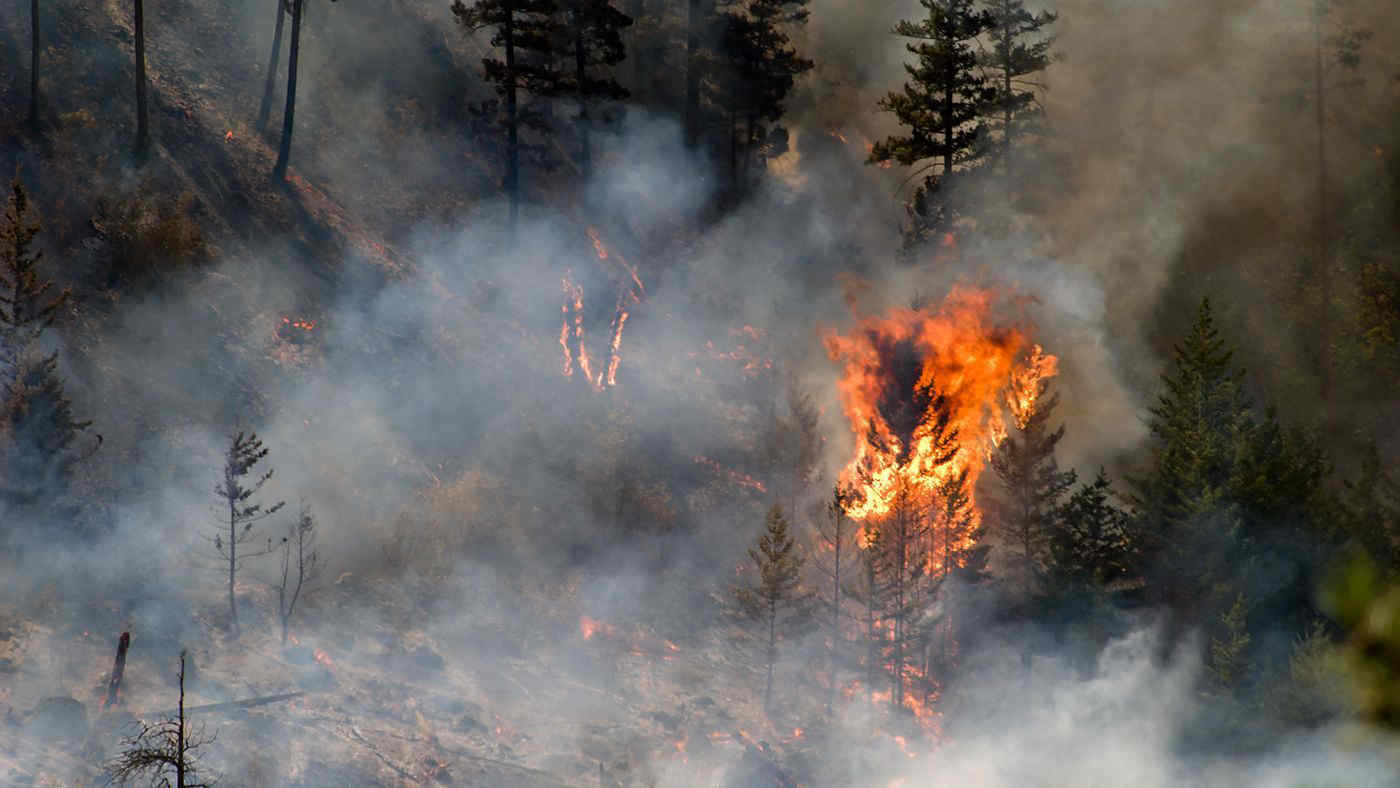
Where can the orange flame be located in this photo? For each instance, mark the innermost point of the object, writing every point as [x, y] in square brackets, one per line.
[323, 658]
[571, 339]
[961, 353]
[228, 136]
[588, 627]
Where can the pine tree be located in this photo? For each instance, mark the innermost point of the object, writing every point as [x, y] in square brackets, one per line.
[775, 604]
[28, 304]
[1020, 50]
[1092, 544]
[700, 17]
[1370, 511]
[759, 67]
[902, 571]
[235, 492]
[942, 107]
[593, 32]
[38, 433]
[270, 83]
[1025, 508]
[1188, 515]
[527, 31]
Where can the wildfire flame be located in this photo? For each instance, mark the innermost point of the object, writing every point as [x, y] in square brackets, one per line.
[571, 332]
[228, 136]
[323, 658]
[955, 349]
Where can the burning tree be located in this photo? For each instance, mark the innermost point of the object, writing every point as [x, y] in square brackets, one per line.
[1028, 503]
[835, 561]
[923, 391]
[775, 604]
[235, 492]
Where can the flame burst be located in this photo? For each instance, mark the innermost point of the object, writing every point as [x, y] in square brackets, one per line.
[955, 349]
[571, 332]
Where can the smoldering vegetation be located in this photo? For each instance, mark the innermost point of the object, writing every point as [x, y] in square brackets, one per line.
[528, 573]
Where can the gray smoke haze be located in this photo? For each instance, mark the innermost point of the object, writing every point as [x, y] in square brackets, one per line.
[425, 417]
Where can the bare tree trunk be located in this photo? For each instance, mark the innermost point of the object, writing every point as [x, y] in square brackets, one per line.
[232, 562]
[512, 121]
[34, 64]
[581, 65]
[284, 152]
[180, 733]
[772, 655]
[1324, 262]
[835, 606]
[269, 85]
[143, 133]
[692, 74]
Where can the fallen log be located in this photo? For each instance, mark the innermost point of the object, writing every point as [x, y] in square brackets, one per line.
[229, 706]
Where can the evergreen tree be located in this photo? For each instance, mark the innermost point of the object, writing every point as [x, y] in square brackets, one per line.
[270, 82]
[901, 569]
[1370, 512]
[776, 603]
[757, 72]
[28, 304]
[1024, 512]
[942, 107]
[593, 30]
[959, 555]
[1020, 50]
[235, 492]
[1092, 544]
[38, 432]
[1188, 517]
[699, 21]
[527, 32]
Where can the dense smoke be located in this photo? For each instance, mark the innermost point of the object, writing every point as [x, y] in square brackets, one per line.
[425, 413]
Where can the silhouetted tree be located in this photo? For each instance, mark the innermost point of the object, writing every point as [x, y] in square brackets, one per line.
[528, 33]
[1020, 50]
[700, 16]
[34, 64]
[1093, 543]
[594, 44]
[270, 83]
[143, 133]
[942, 106]
[775, 603]
[235, 492]
[758, 66]
[163, 751]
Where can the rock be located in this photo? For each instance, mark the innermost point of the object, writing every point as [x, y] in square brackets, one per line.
[63, 719]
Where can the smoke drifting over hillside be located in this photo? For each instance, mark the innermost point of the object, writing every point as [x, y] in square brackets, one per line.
[416, 398]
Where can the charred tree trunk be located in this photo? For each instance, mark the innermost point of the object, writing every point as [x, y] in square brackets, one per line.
[143, 132]
[114, 684]
[232, 560]
[581, 66]
[270, 84]
[34, 64]
[512, 121]
[1324, 262]
[180, 732]
[284, 152]
[692, 74]
[835, 604]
